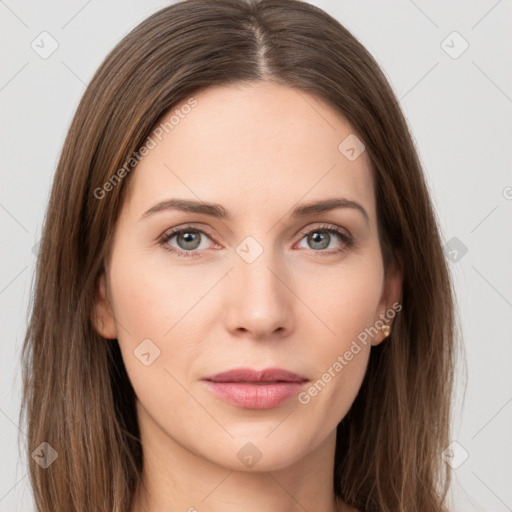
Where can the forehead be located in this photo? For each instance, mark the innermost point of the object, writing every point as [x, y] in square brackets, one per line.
[251, 146]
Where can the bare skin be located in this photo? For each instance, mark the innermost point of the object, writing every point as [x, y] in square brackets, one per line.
[259, 150]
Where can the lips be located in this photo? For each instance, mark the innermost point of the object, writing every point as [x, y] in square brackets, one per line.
[253, 389]
[268, 375]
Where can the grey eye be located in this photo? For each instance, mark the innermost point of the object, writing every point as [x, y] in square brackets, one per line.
[319, 239]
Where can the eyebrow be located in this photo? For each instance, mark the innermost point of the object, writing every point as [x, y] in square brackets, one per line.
[218, 211]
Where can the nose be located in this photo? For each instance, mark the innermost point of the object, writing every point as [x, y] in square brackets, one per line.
[258, 300]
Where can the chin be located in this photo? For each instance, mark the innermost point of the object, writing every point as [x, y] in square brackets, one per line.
[257, 453]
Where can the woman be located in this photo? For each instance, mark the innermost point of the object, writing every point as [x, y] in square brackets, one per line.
[241, 300]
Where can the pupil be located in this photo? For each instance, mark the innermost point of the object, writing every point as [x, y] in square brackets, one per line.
[320, 238]
[189, 241]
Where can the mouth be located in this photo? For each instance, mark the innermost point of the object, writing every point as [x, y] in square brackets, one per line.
[253, 389]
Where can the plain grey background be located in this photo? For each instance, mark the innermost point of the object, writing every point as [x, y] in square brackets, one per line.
[448, 63]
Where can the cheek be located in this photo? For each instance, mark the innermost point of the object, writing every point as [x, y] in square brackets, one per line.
[346, 300]
[171, 305]
[151, 297]
[343, 298]
[154, 309]
[157, 309]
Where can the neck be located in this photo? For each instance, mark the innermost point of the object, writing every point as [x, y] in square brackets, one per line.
[175, 478]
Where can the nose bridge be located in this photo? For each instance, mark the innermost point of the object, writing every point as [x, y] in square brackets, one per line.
[258, 300]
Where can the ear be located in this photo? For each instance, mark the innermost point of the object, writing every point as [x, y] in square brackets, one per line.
[103, 315]
[391, 299]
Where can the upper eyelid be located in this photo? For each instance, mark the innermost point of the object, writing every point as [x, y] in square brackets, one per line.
[346, 239]
[326, 227]
[174, 231]
[170, 233]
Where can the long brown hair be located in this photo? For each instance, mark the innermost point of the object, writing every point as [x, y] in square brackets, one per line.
[77, 396]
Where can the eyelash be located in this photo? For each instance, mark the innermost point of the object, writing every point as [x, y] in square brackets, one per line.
[345, 238]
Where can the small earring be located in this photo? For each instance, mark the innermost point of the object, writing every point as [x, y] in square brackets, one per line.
[386, 329]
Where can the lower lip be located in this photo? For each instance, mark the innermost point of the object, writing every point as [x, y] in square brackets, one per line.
[255, 396]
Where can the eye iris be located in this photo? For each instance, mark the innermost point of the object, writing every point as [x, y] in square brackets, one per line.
[321, 238]
[191, 240]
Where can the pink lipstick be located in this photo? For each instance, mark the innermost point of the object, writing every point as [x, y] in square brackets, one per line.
[253, 389]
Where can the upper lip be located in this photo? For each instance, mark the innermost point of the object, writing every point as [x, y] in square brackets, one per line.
[250, 375]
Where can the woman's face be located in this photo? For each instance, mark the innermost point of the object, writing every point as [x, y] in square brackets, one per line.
[260, 287]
